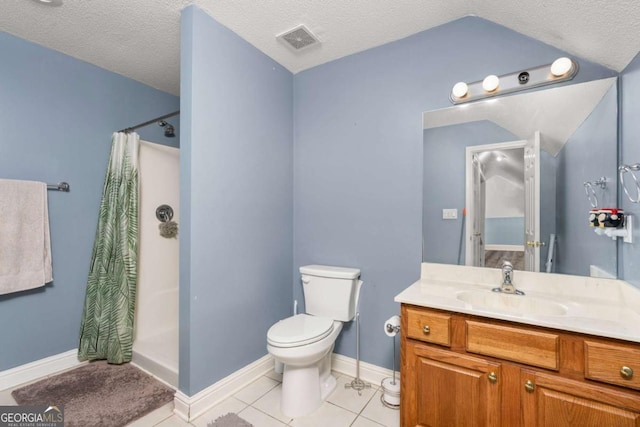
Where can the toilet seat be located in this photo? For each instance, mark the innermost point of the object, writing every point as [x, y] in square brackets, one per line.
[299, 330]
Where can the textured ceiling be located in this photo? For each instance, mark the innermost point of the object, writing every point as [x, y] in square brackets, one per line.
[141, 38]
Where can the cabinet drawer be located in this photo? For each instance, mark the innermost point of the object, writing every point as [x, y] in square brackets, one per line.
[614, 364]
[429, 326]
[512, 343]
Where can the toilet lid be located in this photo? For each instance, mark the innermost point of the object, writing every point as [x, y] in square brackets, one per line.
[300, 329]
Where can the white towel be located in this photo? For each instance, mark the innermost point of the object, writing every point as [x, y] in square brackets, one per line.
[25, 246]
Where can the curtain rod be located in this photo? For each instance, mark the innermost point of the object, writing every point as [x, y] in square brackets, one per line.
[157, 119]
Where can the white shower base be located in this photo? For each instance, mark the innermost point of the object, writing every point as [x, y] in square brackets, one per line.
[155, 345]
[158, 354]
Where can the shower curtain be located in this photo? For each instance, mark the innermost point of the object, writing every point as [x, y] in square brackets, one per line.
[107, 319]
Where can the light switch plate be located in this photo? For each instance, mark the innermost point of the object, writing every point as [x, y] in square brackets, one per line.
[449, 213]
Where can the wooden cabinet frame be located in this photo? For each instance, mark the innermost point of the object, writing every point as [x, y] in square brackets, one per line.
[573, 380]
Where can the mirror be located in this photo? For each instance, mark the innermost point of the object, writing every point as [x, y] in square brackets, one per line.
[479, 217]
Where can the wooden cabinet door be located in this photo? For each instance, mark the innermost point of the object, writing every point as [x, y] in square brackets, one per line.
[453, 389]
[560, 402]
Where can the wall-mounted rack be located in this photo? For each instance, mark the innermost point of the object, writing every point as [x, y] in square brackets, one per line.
[624, 232]
[630, 169]
[590, 191]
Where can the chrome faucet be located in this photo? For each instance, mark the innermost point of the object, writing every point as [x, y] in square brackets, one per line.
[507, 280]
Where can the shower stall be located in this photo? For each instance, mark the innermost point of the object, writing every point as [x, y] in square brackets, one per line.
[155, 346]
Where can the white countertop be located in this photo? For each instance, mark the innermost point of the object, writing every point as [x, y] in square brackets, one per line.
[602, 307]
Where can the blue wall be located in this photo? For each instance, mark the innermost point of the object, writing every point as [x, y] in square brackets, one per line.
[504, 231]
[578, 247]
[358, 155]
[629, 253]
[57, 115]
[237, 200]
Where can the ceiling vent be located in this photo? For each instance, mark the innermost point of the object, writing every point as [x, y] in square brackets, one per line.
[298, 38]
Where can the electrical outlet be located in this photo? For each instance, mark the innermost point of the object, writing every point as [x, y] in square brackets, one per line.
[449, 213]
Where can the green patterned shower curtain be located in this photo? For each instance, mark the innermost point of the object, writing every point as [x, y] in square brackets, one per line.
[107, 319]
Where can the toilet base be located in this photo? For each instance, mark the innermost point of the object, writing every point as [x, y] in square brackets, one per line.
[305, 388]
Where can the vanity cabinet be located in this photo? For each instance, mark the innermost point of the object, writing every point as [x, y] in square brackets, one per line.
[553, 401]
[465, 370]
[451, 389]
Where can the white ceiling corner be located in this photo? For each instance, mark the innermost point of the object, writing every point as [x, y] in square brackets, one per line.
[140, 39]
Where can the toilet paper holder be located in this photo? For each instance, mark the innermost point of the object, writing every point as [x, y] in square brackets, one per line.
[390, 396]
[392, 328]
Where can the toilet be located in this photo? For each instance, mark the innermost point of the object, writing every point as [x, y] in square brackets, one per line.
[303, 343]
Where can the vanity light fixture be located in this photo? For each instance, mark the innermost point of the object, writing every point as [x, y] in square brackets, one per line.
[562, 69]
[50, 2]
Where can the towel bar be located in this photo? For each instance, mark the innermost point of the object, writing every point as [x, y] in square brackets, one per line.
[61, 186]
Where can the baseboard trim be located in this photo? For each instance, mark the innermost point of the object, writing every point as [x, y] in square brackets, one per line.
[190, 407]
[151, 374]
[368, 372]
[156, 369]
[38, 369]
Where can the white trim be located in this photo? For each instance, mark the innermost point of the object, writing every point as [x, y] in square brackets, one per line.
[181, 405]
[38, 369]
[368, 373]
[190, 407]
[155, 377]
[510, 248]
[158, 370]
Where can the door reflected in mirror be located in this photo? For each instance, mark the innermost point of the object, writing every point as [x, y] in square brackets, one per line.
[539, 221]
[495, 213]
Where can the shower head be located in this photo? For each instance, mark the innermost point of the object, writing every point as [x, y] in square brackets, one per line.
[169, 131]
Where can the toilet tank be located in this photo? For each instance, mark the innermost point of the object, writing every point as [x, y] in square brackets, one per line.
[330, 291]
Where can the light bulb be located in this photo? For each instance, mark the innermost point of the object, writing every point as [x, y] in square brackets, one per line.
[561, 66]
[460, 90]
[490, 83]
[50, 2]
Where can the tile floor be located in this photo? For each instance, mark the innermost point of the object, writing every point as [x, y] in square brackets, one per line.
[259, 404]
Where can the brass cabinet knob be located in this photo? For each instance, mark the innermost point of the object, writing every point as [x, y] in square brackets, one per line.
[426, 329]
[528, 385]
[626, 372]
[493, 377]
[534, 244]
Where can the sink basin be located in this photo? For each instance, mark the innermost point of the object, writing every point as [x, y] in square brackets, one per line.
[512, 304]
